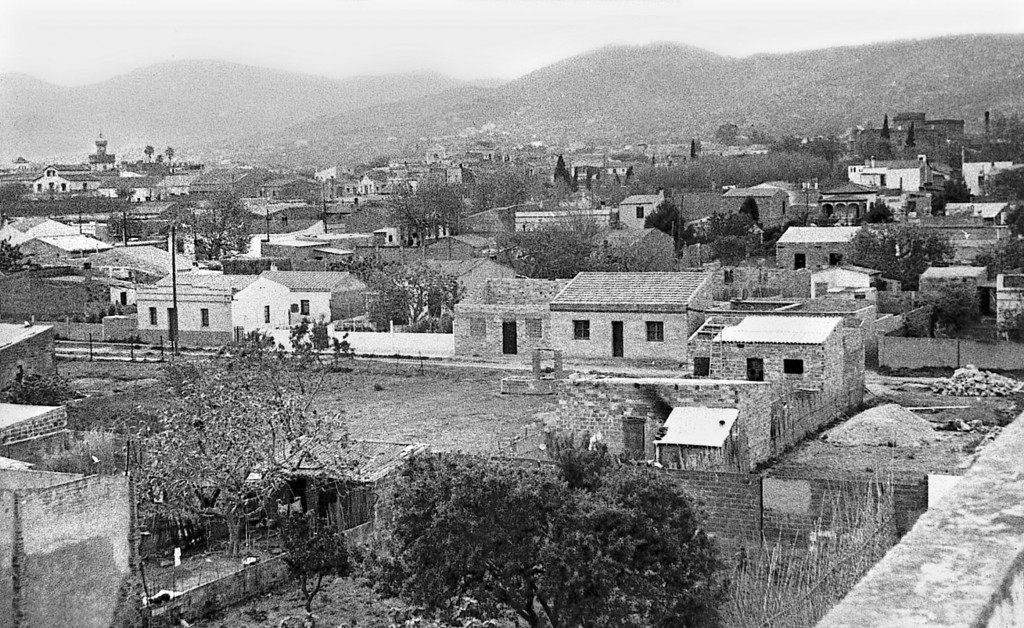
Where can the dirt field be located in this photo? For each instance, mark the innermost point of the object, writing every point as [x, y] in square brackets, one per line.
[950, 454]
[449, 408]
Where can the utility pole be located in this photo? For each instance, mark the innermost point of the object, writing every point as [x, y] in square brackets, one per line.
[172, 331]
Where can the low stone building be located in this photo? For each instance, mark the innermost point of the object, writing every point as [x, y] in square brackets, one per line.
[814, 247]
[638, 317]
[24, 351]
[20, 423]
[505, 317]
[974, 278]
[1010, 301]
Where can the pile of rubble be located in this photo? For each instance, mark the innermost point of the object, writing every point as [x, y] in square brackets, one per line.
[971, 382]
[889, 425]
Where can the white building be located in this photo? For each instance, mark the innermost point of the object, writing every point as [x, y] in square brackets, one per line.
[904, 174]
[976, 173]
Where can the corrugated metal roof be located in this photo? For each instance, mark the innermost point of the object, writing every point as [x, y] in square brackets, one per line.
[75, 243]
[698, 426]
[314, 281]
[639, 292]
[802, 330]
[817, 235]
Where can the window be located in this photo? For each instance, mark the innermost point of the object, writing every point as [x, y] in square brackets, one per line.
[478, 327]
[534, 328]
[655, 331]
[124, 298]
[727, 277]
[63, 187]
[639, 212]
[633, 437]
[266, 313]
[304, 307]
[755, 369]
[835, 259]
[204, 317]
[581, 330]
[702, 367]
[793, 367]
[799, 261]
[152, 316]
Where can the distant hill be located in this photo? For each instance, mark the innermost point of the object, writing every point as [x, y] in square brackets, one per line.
[669, 92]
[182, 104]
[619, 94]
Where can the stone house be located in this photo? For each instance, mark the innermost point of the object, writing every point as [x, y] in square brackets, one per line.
[639, 317]
[505, 317]
[801, 351]
[848, 203]
[846, 281]
[814, 247]
[471, 273]
[56, 250]
[205, 302]
[279, 299]
[975, 278]
[903, 174]
[25, 350]
[634, 210]
[978, 214]
[65, 181]
[464, 246]
[772, 203]
[289, 188]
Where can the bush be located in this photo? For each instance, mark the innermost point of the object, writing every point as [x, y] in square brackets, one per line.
[38, 390]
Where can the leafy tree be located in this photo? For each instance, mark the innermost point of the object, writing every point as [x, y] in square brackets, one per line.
[501, 187]
[879, 212]
[911, 137]
[693, 149]
[667, 219]
[313, 550]
[1005, 256]
[1015, 220]
[727, 133]
[554, 251]
[433, 207]
[11, 258]
[11, 193]
[562, 172]
[149, 150]
[169, 151]
[953, 191]
[236, 431]
[903, 250]
[34, 389]
[953, 308]
[413, 294]
[1008, 185]
[624, 548]
[749, 209]
[222, 228]
[885, 128]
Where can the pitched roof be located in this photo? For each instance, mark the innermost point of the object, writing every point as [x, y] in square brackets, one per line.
[38, 226]
[75, 243]
[898, 164]
[756, 192]
[640, 199]
[850, 188]
[148, 259]
[629, 292]
[211, 281]
[460, 267]
[798, 235]
[801, 330]
[314, 281]
[11, 334]
[698, 426]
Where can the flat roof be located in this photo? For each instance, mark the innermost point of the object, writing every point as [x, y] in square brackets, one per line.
[698, 426]
[11, 413]
[950, 272]
[11, 334]
[804, 330]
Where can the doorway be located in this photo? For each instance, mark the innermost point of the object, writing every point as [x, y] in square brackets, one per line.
[755, 369]
[617, 339]
[509, 338]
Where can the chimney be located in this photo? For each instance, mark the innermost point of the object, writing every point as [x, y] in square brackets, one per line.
[923, 158]
[986, 122]
[661, 193]
[273, 266]
[872, 160]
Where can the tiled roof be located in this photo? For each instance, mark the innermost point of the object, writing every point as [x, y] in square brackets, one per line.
[765, 192]
[954, 272]
[811, 235]
[629, 292]
[476, 241]
[314, 281]
[148, 259]
[641, 199]
[850, 188]
[801, 330]
[698, 426]
[212, 281]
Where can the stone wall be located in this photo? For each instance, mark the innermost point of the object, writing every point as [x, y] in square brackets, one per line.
[24, 296]
[816, 255]
[636, 347]
[744, 282]
[479, 331]
[916, 353]
[112, 329]
[49, 422]
[33, 355]
[69, 551]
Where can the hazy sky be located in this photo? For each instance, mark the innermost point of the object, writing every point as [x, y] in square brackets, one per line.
[73, 42]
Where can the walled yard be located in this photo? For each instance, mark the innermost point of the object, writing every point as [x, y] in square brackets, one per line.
[951, 452]
[449, 408]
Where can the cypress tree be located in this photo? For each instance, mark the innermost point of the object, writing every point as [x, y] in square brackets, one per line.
[885, 128]
[911, 140]
[561, 172]
[693, 149]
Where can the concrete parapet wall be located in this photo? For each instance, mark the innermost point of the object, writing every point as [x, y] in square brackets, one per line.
[962, 564]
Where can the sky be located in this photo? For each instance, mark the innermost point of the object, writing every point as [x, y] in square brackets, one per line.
[75, 42]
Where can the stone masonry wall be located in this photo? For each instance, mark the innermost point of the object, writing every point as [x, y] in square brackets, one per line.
[33, 355]
[636, 348]
[478, 329]
[50, 422]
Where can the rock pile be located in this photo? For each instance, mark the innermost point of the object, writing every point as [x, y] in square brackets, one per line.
[972, 382]
[889, 425]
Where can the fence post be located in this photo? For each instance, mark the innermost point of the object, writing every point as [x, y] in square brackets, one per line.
[133, 351]
[161, 348]
[90, 347]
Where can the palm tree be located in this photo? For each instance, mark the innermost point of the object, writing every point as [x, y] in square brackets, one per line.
[149, 153]
[170, 154]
